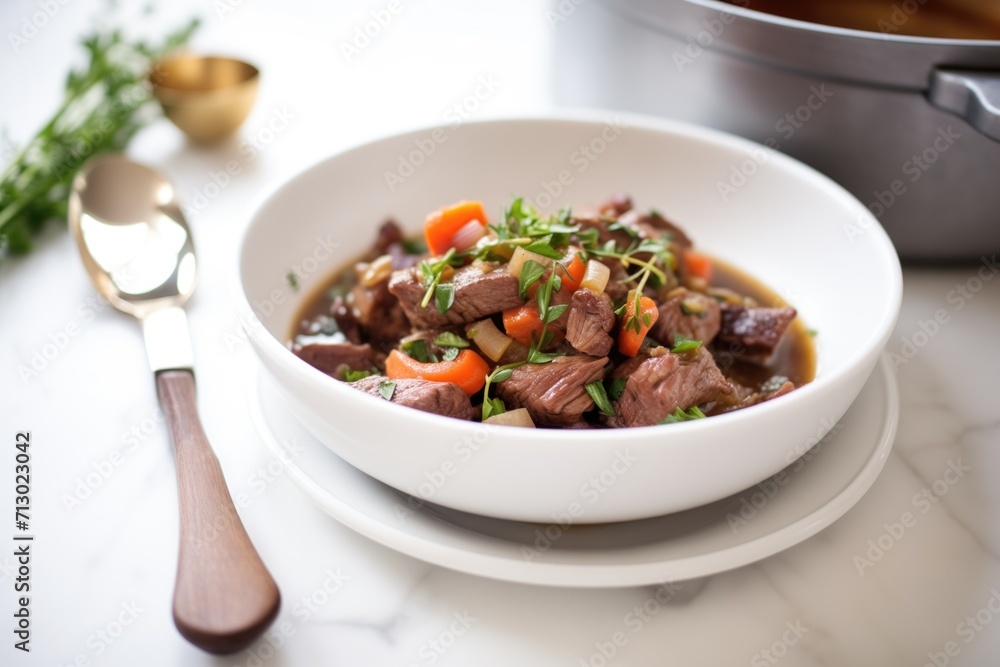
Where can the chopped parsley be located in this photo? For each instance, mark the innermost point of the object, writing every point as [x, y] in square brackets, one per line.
[448, 339]
[531, 272]
[387, 388]
[684, 345]
[354, 376]
[293, 281]
[600, 396]
[433, 273]
[616, 388]
[417, 349]
[680, 415]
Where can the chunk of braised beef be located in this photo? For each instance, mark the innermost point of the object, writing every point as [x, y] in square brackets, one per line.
[402, 259]
[602, 223]
[744, 397]
[478, 293]
[687, 314]
[440, 398]
[389, 234]
[653, 225]
[591, 320]
[335, 359]
[553, 393]
[345, 319]
[615, 205]
[659, 382]
[759, 330]
[379, 314]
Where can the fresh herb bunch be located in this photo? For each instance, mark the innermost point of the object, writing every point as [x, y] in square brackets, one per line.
[104, 104]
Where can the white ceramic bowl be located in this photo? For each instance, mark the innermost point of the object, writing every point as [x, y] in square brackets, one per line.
[784, 223]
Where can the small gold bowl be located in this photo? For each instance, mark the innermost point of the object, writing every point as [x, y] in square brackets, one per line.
[207, 97]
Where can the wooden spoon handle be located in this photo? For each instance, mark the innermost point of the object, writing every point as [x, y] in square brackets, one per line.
[224, 597]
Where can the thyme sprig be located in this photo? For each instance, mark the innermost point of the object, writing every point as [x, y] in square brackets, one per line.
[104, 104]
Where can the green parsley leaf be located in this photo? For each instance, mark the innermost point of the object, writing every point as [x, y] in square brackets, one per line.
[293, 281]
[387, 388]
[432, 280]
[417, 349]
[596, 391]
[354, 376]
[544, 248]
[680, 415]
[617, 226]
[531, 272]
[493, 406]
[502, 376]
[553, 313]
[448, 339]
[616, 388]
[536, 356]
[444, 296]
[683, 345]
[450, 354]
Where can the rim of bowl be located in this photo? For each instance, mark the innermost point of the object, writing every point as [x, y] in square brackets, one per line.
[308, 375]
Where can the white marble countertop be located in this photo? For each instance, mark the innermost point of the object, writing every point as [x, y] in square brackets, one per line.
[103, 489]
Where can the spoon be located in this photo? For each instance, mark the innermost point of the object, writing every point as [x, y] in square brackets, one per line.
[137, 249]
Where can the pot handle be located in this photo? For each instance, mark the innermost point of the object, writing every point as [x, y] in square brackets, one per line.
[975, 96]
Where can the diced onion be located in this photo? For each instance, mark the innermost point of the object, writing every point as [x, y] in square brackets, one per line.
[521, 256]
[468, 235]
[519, 417]
[491, 341]
[377, 271]
[596, 276]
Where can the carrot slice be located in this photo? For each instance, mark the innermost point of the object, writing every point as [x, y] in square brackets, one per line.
[521, 322]
[468, 370]
[524, 321]
[573, 276]
[630, 340]
[698, 265]
[441, 225]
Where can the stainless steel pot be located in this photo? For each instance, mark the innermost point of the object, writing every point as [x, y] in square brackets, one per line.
[910, 125]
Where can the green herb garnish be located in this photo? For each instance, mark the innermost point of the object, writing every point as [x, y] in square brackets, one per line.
[492, 407]
[104, 104]
[443, 293]
[531, 272]
[680, 415]
[683, 345]
[616, 388]
[354, 376]
[495, 406]
[450, 354]
[293, 281]
[444, 296]
[417, 349]
[656, 266]
[448, 339]
[387, 388]
[596, 392]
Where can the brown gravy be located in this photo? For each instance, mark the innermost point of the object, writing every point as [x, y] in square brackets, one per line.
[948, 19]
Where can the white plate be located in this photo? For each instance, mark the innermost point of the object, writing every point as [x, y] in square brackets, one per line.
[790, 507]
